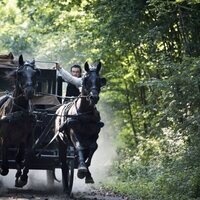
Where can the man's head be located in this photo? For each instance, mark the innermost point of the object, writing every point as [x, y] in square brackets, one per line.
[76, 70]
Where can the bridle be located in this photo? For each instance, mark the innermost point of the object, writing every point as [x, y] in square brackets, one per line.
[28, 84]
[91, 93]
[22, 87]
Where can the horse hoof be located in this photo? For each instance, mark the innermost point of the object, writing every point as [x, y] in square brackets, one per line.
[20, 183]
[17, 184]
[82, 171]
[81, 174]
[4, 172]
[89, 180]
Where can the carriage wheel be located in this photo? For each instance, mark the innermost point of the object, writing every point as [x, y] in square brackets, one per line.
[50, 178]
[68, 173]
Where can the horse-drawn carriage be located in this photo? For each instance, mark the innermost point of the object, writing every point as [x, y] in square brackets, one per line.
[45, 102]
[34, 107]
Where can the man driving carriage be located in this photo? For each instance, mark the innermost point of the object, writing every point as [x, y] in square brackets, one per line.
[74, 78]
[72, 90]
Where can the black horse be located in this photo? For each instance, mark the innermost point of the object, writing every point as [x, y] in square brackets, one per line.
[16, 126]
[80, 121]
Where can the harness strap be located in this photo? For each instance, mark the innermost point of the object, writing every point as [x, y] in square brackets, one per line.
[55, 135]
[42, 150]
[44, 134]
[63, 97]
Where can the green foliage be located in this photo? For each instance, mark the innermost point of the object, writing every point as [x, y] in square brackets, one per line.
[157, 54]
[13, 34]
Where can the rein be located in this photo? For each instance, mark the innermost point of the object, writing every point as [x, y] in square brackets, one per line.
[62, 97]
[69, 97]
[30, 109]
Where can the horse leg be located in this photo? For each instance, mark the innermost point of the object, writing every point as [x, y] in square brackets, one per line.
[62, 154]
[19, 158]
[22, 181]
[82, 168]
[92, 149]
[4, 166]
[88, 178]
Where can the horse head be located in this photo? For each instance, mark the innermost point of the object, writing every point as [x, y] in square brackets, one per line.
[26, 77]
[92, 83]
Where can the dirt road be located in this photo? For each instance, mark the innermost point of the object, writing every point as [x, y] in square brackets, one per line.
[27, 194]
[37, 189]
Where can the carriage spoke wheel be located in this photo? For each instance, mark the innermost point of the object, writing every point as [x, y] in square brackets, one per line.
[68, 172]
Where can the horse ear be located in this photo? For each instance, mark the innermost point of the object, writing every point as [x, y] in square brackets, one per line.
[98, 66]
[86, 66]
[21, 60]
[103, 82]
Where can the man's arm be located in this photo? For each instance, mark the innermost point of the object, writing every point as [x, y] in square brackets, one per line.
[68, 77]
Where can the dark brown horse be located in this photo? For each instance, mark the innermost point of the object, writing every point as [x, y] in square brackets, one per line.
[81, 122]
[16, 127]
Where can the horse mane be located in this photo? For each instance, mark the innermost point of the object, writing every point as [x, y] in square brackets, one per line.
[31, 64]
[93, 66]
